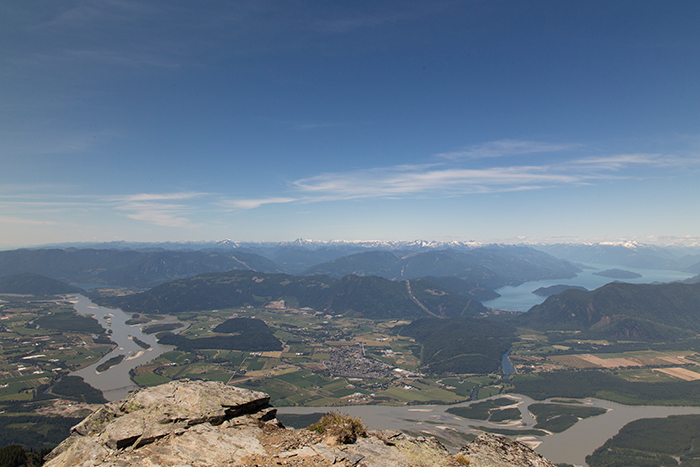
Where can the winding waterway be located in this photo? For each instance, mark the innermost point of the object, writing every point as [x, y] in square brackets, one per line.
[115, 382]
[572, 446]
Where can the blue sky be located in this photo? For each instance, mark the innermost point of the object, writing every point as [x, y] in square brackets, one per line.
[272, 120]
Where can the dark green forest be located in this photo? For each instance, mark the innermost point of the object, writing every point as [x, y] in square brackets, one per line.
[460, 345]
[652, 442]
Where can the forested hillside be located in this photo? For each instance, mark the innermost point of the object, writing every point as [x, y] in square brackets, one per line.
[621, 311]
[368, 297]
[126, 268]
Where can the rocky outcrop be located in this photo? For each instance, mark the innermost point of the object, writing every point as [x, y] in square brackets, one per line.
[204, 423]
[498, 451]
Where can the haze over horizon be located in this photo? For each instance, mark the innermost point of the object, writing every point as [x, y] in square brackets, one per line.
[684, 245]
[494, 121]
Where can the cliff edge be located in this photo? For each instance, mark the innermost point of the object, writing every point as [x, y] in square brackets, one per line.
[206, 424]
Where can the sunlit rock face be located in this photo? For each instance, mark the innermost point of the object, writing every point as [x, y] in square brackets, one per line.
[208, 424]
[499, 451]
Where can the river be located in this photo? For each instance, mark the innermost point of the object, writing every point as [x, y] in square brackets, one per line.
[115, 382]
[571, 446]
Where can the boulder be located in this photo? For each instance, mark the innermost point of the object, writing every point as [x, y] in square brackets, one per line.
[187, 417]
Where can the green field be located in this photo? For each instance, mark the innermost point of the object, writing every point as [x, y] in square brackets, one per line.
[41, 341]
[297, 377]
[150, 380]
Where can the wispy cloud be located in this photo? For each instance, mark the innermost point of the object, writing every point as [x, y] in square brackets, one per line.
[158, 208]
[139, 57]
[33, 144]
[29, 201]
[23, 221]
[163, 209]
[316, 126]
[255, 203]
[418, 180]
[162, 196]
[90, 13]
[444, 178]
[623, 161]
[347, 25]
[166, 215]
[307, 125]
[505, 148]
[454, 177]
[347, 21]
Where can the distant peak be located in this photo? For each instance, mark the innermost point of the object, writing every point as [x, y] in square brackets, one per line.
[227, 242]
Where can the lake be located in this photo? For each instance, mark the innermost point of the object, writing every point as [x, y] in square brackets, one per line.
[521, 298]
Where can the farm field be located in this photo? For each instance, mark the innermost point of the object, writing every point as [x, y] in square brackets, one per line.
[40, 340]
[325, 361]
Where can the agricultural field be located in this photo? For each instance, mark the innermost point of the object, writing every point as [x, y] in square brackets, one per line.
[328, 360]
[325, 361]
[40, 340]
[631, 361]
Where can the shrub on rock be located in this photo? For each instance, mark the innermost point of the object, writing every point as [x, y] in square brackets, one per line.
[339, 428]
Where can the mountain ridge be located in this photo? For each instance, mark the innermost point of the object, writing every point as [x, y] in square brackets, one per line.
[621, 311]
[125, 268]
[368, 297]
[35, 284]
[491, 266]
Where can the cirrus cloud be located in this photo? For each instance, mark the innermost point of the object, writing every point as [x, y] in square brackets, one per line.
[506, 147]
[158, 208]
[452, 175]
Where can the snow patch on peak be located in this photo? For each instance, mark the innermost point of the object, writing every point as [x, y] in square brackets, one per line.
[227, 242]
[623, 243]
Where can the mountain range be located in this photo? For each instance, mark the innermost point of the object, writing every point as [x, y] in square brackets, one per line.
[394, 283]
[628, 254]
[492, 266]
[616, 311]
[367, 297]
[482, 269]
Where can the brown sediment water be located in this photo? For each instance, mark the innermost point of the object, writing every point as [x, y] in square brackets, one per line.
[115, 383]
[572, 446]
